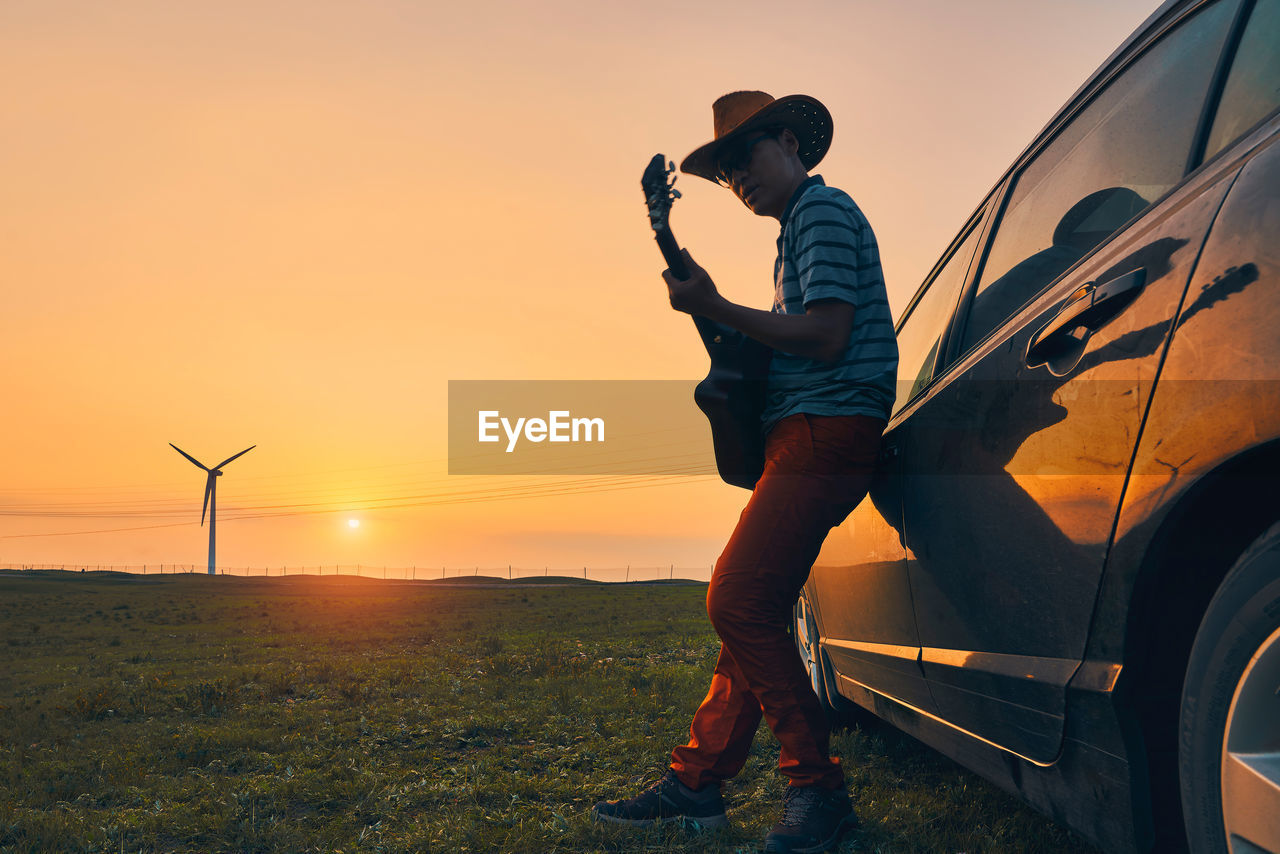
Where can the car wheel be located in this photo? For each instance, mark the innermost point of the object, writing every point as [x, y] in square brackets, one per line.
[1229, 733]
[840, 712]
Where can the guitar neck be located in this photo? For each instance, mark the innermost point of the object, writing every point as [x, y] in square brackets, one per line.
[671, 253]
[714, 336]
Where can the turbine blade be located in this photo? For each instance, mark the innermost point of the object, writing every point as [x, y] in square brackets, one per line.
[188, 456]
[229, 459]
[208, 488]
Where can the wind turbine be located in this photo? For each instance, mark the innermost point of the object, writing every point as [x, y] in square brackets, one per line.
[211, 496]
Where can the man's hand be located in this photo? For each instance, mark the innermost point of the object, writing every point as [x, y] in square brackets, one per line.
[694, 295]
[822, 332]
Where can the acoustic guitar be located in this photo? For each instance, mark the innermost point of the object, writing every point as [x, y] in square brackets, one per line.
[732, 395]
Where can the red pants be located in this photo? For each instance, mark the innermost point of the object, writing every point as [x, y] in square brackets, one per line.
[817, 469]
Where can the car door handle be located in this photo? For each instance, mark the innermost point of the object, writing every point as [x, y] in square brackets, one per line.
[1088, 308]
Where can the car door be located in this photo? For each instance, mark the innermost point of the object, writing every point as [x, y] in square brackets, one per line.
[859, 586]
[1016, 459]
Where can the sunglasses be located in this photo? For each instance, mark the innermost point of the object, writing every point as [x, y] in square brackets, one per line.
[738, 156]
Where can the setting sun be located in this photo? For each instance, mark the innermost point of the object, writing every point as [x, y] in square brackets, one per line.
[353, 523]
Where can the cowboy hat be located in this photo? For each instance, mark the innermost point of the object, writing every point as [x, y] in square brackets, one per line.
[738, 113]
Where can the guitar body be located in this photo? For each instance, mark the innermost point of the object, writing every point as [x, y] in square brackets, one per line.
[732, 395]
[732, 398]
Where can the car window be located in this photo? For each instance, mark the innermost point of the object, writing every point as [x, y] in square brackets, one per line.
[1129, 146]
[1253, 86]
[921, 333]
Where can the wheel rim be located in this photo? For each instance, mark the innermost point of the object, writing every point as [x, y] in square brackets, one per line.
[1251, 756]
[806, 641]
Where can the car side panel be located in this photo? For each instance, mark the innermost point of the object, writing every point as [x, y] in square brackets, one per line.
[862, 598]
[1037, 458]
[1090, 789]
[1218, 399]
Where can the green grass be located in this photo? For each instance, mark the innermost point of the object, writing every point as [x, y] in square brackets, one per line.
[188, 713]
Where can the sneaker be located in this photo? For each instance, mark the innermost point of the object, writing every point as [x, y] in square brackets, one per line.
[813, 819]
[666, 800]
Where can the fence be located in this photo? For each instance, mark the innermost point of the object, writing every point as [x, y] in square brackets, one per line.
[412, 573]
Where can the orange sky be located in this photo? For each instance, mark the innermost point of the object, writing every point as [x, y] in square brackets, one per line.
[290, 224]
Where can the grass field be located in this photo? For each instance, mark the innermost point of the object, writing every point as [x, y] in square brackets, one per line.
[188, 713]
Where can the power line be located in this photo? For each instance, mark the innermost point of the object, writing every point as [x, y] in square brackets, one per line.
[426, 502]
[179, 506]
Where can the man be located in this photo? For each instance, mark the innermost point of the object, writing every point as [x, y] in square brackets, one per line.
[830, 390]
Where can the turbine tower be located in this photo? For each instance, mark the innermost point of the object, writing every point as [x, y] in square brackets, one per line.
[211, 496]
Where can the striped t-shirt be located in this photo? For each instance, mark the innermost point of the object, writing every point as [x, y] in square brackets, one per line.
[827, 251]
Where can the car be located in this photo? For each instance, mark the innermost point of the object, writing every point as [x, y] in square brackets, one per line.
[1066, 575]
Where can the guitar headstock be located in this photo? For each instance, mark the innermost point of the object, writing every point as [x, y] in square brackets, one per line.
[658, 182]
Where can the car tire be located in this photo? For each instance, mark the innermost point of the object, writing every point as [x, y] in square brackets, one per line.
[841, 713]
[1229, 727]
